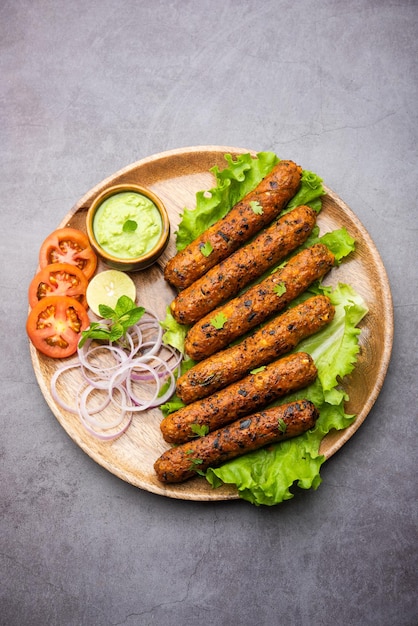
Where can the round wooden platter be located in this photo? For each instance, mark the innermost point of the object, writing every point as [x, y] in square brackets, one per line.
[176, 176]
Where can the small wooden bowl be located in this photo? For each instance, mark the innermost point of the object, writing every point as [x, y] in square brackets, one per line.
[131, 264]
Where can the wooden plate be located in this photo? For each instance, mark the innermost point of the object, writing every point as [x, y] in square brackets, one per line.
[176, 176]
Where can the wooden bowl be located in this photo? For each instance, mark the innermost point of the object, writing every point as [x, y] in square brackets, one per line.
[129, 264]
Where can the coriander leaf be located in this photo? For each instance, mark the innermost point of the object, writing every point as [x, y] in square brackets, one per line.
[206, 249]
[280, 289]
[194, 463]
[282, 425]
[199, 429]
[219, 321]
[256, 207]
[129, 226]
[258, 369]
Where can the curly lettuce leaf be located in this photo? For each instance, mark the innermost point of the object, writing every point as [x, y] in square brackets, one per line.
[265, 477]
[340, 242]
[234, 182]
[335, 348]
[309, 192]
[174, 333]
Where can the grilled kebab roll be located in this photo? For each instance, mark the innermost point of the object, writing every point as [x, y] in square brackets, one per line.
[257, 304]
[228, 277]
[244, 435]
[257, 209]
[250, 394]
[279, 336]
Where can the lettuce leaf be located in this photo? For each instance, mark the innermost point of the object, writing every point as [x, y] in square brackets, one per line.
[174, 333]
[309, 193]
[265, 477]
[338, 241]
[233, 183]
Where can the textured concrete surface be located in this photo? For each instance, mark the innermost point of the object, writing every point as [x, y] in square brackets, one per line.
[90, 87]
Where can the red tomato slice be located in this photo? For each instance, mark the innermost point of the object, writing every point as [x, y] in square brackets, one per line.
[59, 279]
[54, 325]
[68, 245]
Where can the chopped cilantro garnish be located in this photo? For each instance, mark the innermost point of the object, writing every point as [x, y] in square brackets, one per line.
[206, 248]
[199, 429]
[256, 207]
[279, 289]
[282, 425]
[219, 321]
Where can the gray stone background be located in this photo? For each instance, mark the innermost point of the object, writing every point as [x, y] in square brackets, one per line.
[88, 87]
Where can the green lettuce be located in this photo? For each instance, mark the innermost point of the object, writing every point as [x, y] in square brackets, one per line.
[338, 241]
[265, 477]
[174, 333]
[309, 193]
[234, 182]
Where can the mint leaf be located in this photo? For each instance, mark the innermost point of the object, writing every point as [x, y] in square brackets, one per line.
[116, 321]
[116, 332]
[123, 305]
[129, 226]
[131, 317]
[95, 331]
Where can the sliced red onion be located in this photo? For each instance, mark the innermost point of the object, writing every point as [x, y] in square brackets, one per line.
[125, 371]
[54, 391]
[141, 357]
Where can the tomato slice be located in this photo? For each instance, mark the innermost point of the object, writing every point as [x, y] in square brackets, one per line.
[54, 325]
[59, 279]
[68, 245]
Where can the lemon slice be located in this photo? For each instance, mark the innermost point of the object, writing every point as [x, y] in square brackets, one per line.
[107, 287]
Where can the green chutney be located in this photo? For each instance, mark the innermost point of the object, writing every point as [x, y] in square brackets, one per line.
[127, 225]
